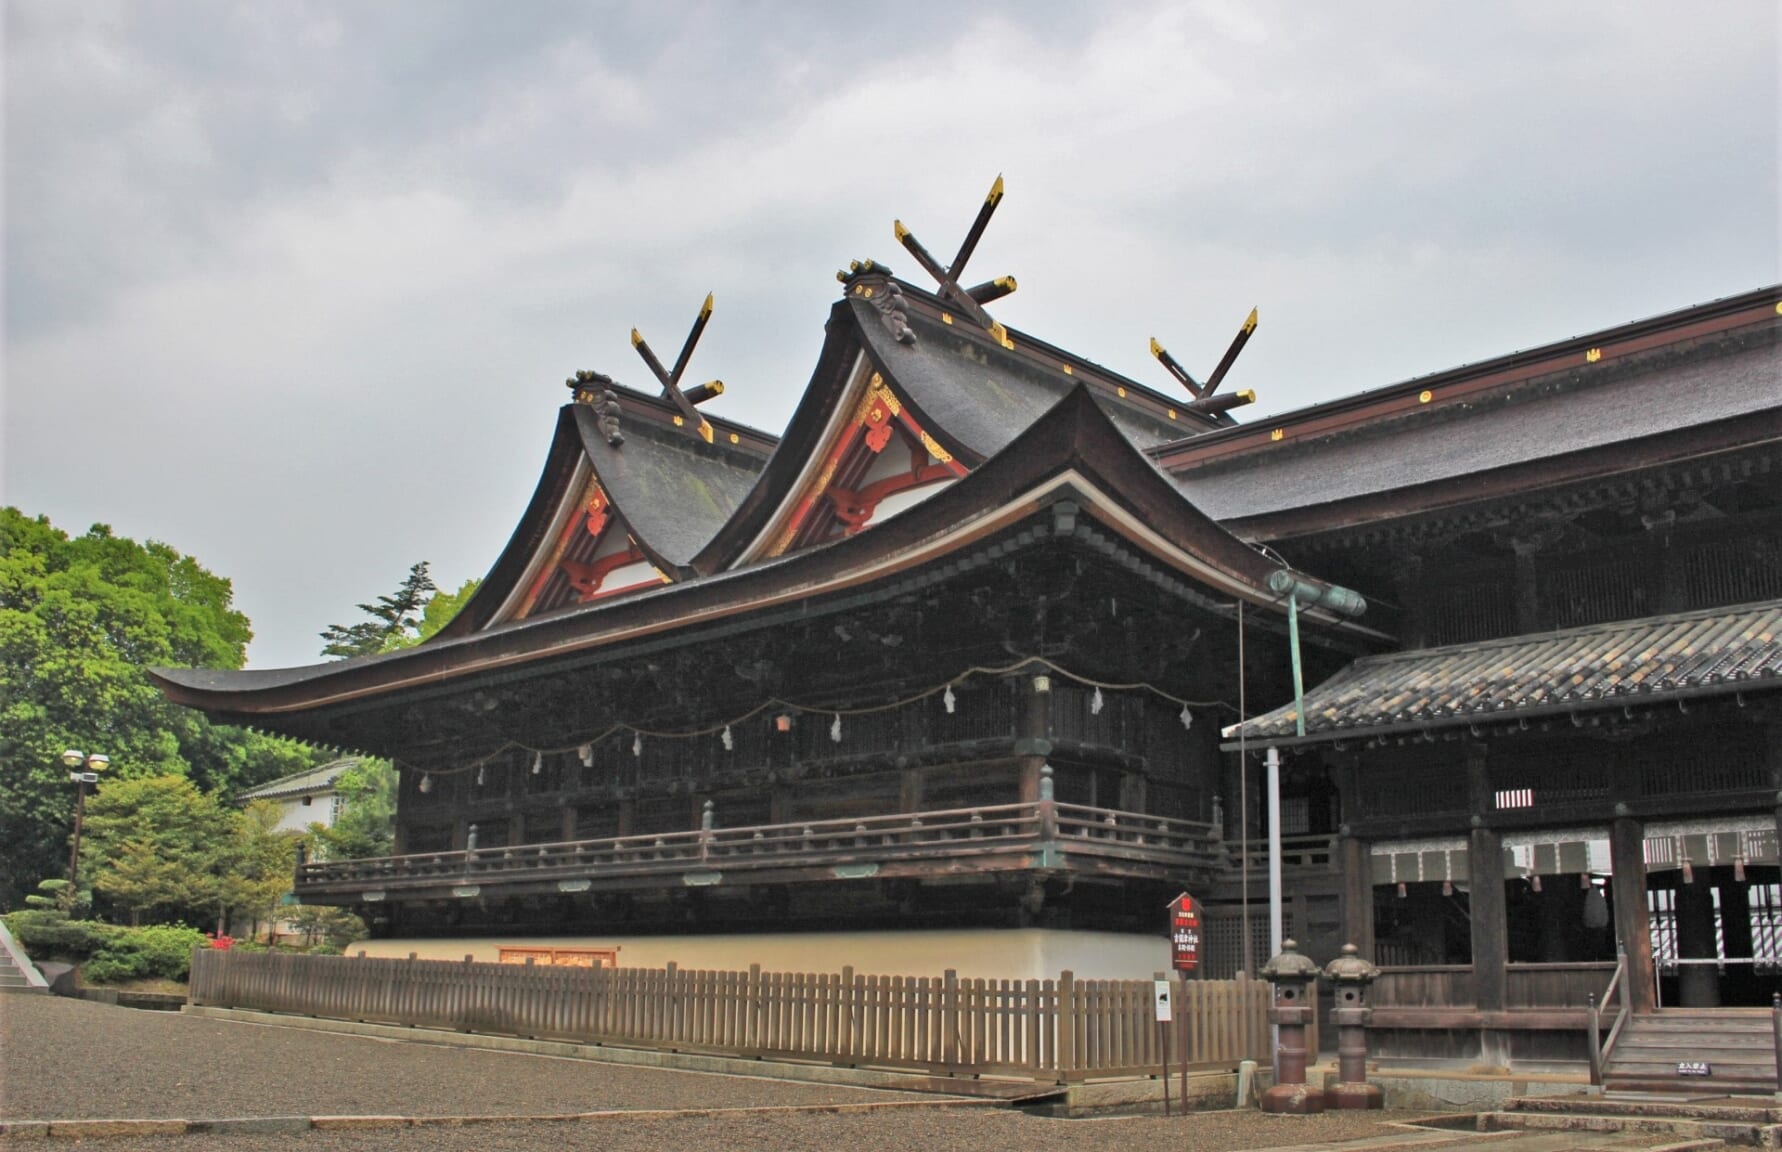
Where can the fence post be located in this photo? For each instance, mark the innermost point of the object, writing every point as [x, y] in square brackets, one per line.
[1593, 1036]
[949, 1007]
[1064, 1024]
[754, 1002]
[850, 1023]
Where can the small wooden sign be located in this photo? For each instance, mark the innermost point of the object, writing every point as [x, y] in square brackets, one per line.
[1184, 933]
[1162, 999]
[1694, 1068]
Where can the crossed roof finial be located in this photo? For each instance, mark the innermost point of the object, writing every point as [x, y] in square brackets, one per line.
[971, 300]
[671, 380]
[1204, 400]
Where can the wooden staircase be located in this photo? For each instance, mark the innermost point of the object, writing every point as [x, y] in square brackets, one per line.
[1737, 1044]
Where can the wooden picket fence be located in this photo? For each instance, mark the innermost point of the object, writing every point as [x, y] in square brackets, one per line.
[1053, 1030]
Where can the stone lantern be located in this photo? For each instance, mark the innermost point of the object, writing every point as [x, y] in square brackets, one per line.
[1351, 975]
[1295, 978]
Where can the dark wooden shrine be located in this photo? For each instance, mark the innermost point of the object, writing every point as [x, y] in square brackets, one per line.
[966, 646]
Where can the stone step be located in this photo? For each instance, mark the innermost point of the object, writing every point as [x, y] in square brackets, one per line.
[1752, 1112]
[1758, 1041]
[1682, 1127]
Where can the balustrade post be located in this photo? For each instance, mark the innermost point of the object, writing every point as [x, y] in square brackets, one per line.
[707, 818]
[1048, 806]
[1593, 1037]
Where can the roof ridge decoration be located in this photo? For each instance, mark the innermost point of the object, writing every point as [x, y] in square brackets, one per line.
[970, 300]
[671, 379]
[1203, 399]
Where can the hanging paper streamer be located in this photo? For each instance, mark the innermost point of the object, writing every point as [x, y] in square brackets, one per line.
[728, 739]
[637, 744]
[1095, 702]
[586, 754]
[835, 729]
[426, 784]
[537, 763]
[949, 700]
[479, 775]
[1187, 717]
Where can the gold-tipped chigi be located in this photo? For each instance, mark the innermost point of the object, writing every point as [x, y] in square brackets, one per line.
[948, 276]
[1203, 400]
[670, 379]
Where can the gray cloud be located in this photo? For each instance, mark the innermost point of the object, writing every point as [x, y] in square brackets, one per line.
[293, 287]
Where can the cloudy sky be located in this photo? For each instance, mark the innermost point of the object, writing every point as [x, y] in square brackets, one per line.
[294, 287]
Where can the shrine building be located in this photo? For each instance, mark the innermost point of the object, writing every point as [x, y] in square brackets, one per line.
[978, 663]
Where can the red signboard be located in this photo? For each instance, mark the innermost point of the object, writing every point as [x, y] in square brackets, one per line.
[1184, 933]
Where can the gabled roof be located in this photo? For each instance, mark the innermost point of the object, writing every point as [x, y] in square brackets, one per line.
[973, 395]
[1562, 412]
[1717, 651]
[668, 490]
[1073, 457]
[309, 782]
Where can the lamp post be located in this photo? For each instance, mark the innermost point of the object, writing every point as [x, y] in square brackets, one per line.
[94, 764]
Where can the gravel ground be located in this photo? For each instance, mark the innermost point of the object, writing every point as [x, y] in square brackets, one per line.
[68, 1059]
[929, 1131]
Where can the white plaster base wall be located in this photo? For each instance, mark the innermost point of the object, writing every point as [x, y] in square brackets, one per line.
[1014, 953]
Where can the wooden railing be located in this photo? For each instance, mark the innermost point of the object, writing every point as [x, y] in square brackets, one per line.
[1525, 985]
[1052, 1030]
[1554, 985]
[1428, 986]
[1313, 853]
[1069, 828]
[1601, 1049]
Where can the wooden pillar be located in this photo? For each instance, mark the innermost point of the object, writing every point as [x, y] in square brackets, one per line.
[1627, 862]
[909, 790]
[1358, 896]
[1698, 985]
[1490, 943]
[627, 816]
[1132, 792]
[566, 830]
[779, 805]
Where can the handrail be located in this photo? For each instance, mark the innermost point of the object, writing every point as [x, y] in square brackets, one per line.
[904, 835]
[1600, 1050]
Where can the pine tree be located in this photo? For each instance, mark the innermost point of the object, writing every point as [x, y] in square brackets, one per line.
[393, 619]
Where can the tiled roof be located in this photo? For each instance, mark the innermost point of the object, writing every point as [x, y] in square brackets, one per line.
[1719, 650]
[310, 781]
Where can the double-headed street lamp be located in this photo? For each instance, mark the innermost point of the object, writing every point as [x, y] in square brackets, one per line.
[94, 765]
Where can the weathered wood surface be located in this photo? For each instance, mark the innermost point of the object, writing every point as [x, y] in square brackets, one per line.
[1056, 1030]
[1089, 838]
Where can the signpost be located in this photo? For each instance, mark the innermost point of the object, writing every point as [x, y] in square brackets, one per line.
[1184, 933]
[1161, 1000]
[1184, 957]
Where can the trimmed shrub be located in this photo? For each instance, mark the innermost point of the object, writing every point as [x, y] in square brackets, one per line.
[160, 950]
[46, 934]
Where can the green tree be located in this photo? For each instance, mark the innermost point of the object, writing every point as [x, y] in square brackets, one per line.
[366, 824]
[393, 619]
[442, 607]
[254, 867]
[81, 619]
[158, 844]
